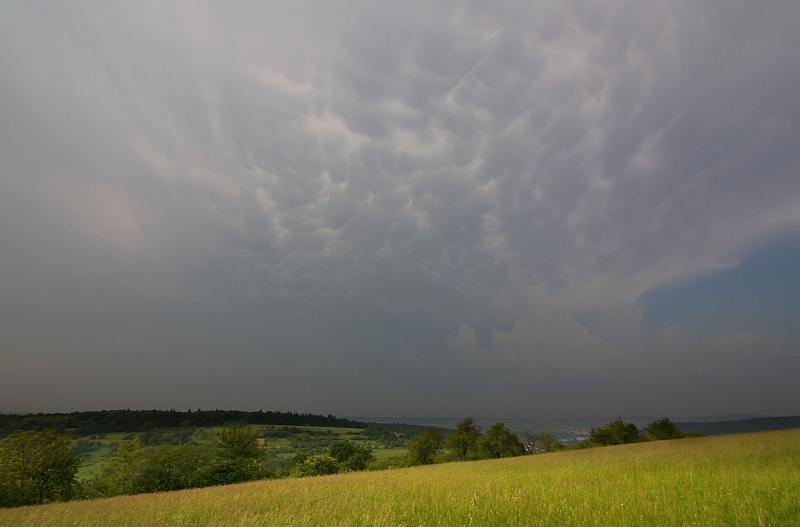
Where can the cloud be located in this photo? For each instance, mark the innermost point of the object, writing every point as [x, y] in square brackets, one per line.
[465, 345]
[322, 187]
[563, 348]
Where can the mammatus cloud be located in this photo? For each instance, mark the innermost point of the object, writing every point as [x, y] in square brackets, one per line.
[355, 208]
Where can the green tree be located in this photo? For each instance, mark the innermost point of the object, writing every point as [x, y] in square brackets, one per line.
[350, 456]
[120, 471]
[664, 429]
[423, 449]
[549, 443]
[499, 442]
[463, 442]
[37, 467]
[615, 433]
[290, 465]
[175, 467]
[239, 456]
[322, 465]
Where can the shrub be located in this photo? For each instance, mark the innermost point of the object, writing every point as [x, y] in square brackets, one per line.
[322, 465]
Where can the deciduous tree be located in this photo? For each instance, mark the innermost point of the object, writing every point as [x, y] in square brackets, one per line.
[664, 429]
[530, 442]
[238, 457]
[175, 467]
[463, 442]
[499, 442]
[120, 471]
[615, 433]
[549, 443]
[350, 456]
[36, 467]
[423, 449]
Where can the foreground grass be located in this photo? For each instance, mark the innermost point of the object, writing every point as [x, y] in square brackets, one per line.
[751, 479]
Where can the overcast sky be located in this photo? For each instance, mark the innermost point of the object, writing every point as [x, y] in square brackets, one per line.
[520, 209]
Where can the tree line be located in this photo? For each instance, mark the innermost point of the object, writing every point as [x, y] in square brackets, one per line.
[109, 421]
[39, 466]
[468, 442]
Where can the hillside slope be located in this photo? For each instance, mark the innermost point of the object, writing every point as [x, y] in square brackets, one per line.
[751, 479]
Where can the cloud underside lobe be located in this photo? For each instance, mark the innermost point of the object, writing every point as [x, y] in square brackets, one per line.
[301, 205]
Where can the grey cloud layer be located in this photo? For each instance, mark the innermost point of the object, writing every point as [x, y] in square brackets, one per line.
[332, 192]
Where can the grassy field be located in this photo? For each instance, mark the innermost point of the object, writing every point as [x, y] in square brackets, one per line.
[738, 480]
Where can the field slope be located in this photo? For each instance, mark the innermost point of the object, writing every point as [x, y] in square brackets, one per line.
[751, 479]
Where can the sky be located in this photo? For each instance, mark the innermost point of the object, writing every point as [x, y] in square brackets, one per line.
[534, 209]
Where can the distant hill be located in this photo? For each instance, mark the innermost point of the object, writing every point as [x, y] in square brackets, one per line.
[741, 426]
[108, 421]
[571, 431]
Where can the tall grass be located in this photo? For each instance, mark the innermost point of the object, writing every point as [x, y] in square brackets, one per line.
[749, 479]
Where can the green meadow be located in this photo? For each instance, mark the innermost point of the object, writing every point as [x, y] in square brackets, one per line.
[751, 479]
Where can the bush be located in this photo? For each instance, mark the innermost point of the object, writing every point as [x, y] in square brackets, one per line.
[316, 466]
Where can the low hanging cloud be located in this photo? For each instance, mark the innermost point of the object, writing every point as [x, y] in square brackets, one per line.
[329, 198]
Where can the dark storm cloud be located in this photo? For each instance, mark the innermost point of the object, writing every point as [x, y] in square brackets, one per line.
[362, 208]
